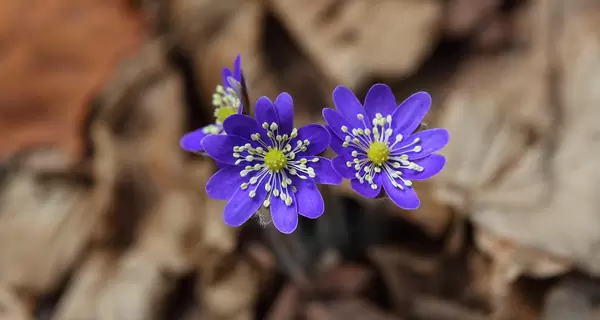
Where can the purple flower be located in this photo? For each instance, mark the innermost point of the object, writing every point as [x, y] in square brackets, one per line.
[377, 147]
[270, 164]
[227, 101]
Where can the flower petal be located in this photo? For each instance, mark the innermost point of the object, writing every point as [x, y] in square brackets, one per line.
[336, 122]
[264, 110]
[237, 68]
[410, 113]
[240, 125]
[192, 141]
[284, 105]
[431, 140]
[220, 147]
[309, 199]
[432, 165]
[348, 105]
[317, 135]
[406, 198]
[380, 99]
[241, 206]
[339, 164]
[324, 172]
[365, 189]
[225, 73]
[285, 218]
[223, 184]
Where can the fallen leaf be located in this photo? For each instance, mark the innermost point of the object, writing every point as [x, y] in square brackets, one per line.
[345, 39]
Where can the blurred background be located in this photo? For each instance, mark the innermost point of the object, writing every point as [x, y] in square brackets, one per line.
[104, 217]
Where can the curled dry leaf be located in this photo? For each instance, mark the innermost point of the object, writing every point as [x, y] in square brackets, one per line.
[565, 223]
[133, 291]
[501, 105]
[13, 307]
[43, 228]
[195, 22]
[465, 16]
[393, 39]
[510, 259]
[537, 194]
[54, 57]
[80, 299]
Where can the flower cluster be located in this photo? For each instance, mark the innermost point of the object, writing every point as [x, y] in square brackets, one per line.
[270, 168]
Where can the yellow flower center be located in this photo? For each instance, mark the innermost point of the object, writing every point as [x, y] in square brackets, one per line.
[378, 152]
[275, 160]
[224, 112]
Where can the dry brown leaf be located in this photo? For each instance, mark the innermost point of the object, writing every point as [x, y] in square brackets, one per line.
[565, 224]
[79, 301]
[13, 306]
[44, 227]
[490, 113]
[510, 260]
[393, 39]
[55, 57]
[133, 291]
[195, 22]
[464, 16]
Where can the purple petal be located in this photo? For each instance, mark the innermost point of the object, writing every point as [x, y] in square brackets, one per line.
[308, 196]
[226, 72]
[406, 199]
[318, 136]
[339, 164]
[220, 147]
[324, 172]
[410, 113]
[380, 99]
[240, 125]
[241, 206]
[348, 105]
[192, 141]
[431, 141]
[365, 189]
[284, 105]
[432, 165]
[237, 68]
[223, 184]
[335, 122]
[264, 110]
[285, 218]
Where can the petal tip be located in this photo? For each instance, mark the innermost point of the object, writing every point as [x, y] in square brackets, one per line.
[423, 96]
[444, 135]
[286, 231]
[264, 100]
[380, 86]
[340, 88]
[192, 141]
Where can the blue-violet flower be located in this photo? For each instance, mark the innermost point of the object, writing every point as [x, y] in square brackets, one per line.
[378, 147]
[227, 101]
[270, 164]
